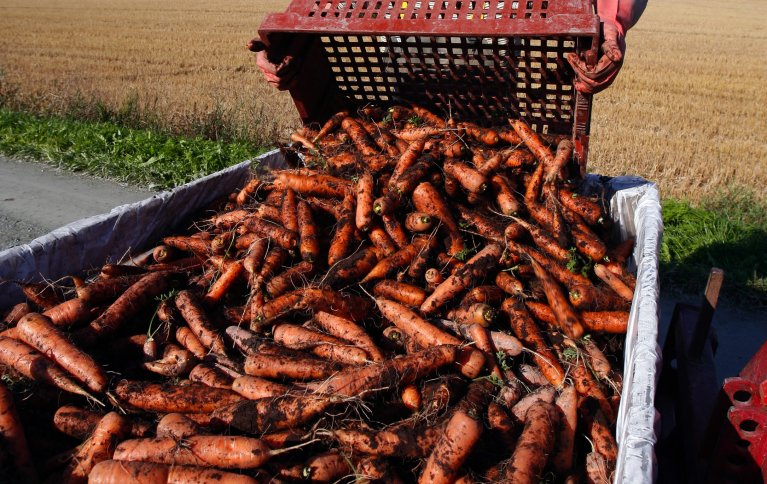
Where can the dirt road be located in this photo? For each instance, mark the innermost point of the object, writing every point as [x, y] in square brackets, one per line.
[36, 198]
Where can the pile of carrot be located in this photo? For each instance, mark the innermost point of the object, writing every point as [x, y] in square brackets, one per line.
[417, 300]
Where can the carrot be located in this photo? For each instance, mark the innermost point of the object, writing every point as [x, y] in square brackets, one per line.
[359, 137]
[176, 426]
[168, 398]
[75, 422]
[17, 312]
[401, 292]
[489, 294]
[357, 381]
[485, 136]
[484, 342]
[104, 290]
[427, 199]
[211, 376]
[404, 184]
[324, 186]
[511, 393]
[427, 116]
[232, 273]
[533, 142]
[614, 282]
[590, 211]
[535, 444]
[292, 278]
[287, 239]
[424, 333]
[273, 264]
[510, 136]
[395, 261]
[377, 469]
[42, 295]
[563, 156]
[343, 237]
[192, 311]
[598, 362]
[567, 319]
[331, 125]
[597, 471]
[527, 331]
[477, 313]
[384, 244]
[352, 268]
[510, 284]
[128, 305]
[518, 159]
[345, 305]
[602, 438]
[327, 467]
[567, 401]
[546, 394]
[364, 214]
[119, 472]
[395, 231]
[504, 194]
[228, 452]
[301, 139]
[188, 340]
[399, 441]
[587, 387]
[225, 221]
[407, 159]
[386, 204]
[290, 367]
[471, 179]
[545, 242]
[309, 243]
[33, 365]
[433, 278]
[345, 162]
[13, 436]
[414, 134]
[486, 226]
[254, 388]
[464, 278]
[274, 413]
[418, 222]
[613, 322]
[462, 433]
[197, 246]
[71, 313]
[110, 430]
[249, 189]
[349, 331]
[382, 138]
[325, 346]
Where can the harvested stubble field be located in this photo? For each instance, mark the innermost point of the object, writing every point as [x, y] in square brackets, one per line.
[689, 110]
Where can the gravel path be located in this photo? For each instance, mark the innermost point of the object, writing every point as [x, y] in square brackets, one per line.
[36, 198]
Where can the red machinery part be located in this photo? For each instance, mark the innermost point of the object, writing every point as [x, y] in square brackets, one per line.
[477, 60]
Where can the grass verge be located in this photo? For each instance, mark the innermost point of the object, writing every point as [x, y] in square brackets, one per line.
[729, 232]
[137, 156]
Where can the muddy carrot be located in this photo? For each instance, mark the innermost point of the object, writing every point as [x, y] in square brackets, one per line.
[349, 331]
[293, 278]
[381, 240]
[399, 259]
[343, 237]
[255, 388]
[309, 243]
[325, 186]
[168, 398]
[534, 445]
[364, 211]
[110, 430]
[194, 314]
[566, 316]
[401, 292]
[290, 367]
[614, 282]
[418, 222]
[395, 231]
[563, 156]
[13, 436]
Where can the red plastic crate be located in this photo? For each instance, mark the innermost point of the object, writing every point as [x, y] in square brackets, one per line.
[482, 61]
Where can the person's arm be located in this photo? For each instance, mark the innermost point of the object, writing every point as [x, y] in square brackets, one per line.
[617, 17]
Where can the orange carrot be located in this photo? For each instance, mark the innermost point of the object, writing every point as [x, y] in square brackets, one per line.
[249, 189]
[510, 136]
[567, 401]
[485, 136]
[401, 292]
[324, 186]
[614, 322]
[197, 246]
[476, 313]
[382, 242]
[110, 430]
[27, 361]
[13, 436]
[424, 333]
[414, 134]
[274, 413]
[325, 346]
[407, 159]
[527, 331]
[471, 179]
[464, 278]
[352, 268]
[533, 142]
[486, 226]
[566, 316]
[534, 445]
[589, 210]
[293, 278]
[232, 273]
[228, 452]
[364, 213]
[176, 426]
[193, 313]
[309, 243]
[602, 438]
[504, 194]
[287, 239]
[418, 222]
[563, 156]
[427, 116]
[118, 472]
[615, 283]
[343, 237]
[70, 313]
[209, 375]
[395, 261]
[289, 367]
[331, 125]
[349, 331]
[168, 398]
[273, 264]
[427, 199]
[133, 300]
[359, 137]
[175, 362]
[518, 159]
[37, 331]
[188, 340]
[345, 305]
[254, 388]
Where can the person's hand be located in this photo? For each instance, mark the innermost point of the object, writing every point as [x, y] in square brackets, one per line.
[282, 75]
[591, 81]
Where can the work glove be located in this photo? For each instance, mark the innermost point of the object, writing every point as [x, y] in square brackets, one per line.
[617, 16]
[593, 80]
[281, 75]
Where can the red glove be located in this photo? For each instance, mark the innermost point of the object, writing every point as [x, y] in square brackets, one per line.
[282, 75]
[617, 17]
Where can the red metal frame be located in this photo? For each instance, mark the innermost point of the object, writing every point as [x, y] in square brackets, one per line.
[478, 60]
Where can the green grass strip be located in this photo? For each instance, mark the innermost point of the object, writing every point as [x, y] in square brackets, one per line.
[136, 156]
[729, 233]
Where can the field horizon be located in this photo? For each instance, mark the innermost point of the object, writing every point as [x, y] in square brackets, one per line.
[182, 67]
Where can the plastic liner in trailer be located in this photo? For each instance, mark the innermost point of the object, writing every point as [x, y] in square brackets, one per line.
[634, 206]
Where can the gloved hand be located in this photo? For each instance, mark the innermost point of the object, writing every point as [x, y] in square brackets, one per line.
[591, 81]
[282, 75]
